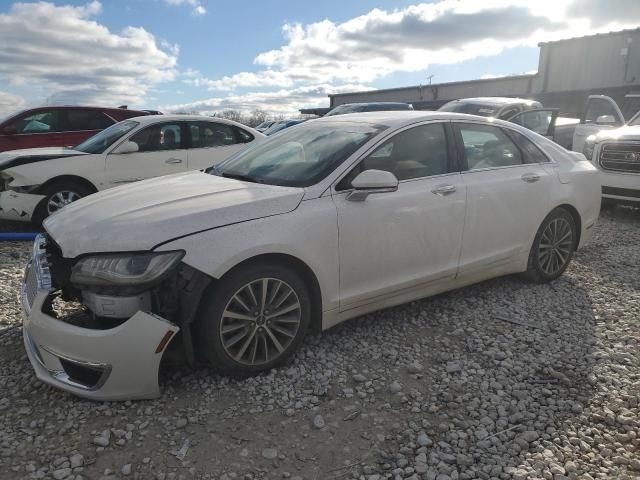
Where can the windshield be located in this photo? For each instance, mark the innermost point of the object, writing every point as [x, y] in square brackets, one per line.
[481, 109]
[103, 140]
[635, 120]
[343, 109]
[298, 157]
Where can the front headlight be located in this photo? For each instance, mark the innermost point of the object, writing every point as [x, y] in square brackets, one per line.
[588, 148]
[124, 269]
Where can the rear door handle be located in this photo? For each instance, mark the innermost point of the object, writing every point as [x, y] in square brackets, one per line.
[443, 190]
[530, 177]
[173, 160]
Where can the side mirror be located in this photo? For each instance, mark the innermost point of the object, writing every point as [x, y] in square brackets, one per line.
[9, 130]
[127, 147]
[372, 181]
[605, 120]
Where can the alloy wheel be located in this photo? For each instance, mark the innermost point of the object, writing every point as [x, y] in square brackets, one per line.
[260, 321]
[556, 245]
[60, 199]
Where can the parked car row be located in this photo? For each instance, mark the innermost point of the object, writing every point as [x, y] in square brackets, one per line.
[37, 182]
[59, 126]
[300, 231]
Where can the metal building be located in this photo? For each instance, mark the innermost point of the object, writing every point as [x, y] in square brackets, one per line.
[568, 71]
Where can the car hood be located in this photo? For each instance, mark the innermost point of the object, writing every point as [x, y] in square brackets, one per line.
[12, 158]
[622, 133]
[144, 214]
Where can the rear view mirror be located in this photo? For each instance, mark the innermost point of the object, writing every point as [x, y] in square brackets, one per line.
[372, 181]
[127, 147]
[605, 119]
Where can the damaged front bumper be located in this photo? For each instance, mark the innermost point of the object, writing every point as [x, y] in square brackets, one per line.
[119, 363]
[18, 206]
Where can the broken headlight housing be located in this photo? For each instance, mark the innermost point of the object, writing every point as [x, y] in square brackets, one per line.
[139, 269]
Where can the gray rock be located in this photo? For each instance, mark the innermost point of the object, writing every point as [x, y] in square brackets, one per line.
[395, 387]
[453, 367]
[269, 453]
[318, 422]
[62, 473]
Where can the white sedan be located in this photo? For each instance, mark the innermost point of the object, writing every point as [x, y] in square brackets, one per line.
[36, 182]
[324, 222]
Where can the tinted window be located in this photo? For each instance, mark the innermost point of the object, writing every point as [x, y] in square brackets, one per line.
[598, 107]
[537, 121]
[509, 112]
[41, 122]
[482, 109]
[532, 154]
[164, 136]
[211, 134]
[488, 147]
[87, 120]
[242, 135]
[414, 153]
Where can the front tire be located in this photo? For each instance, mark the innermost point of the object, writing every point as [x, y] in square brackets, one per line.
[553, 247]
[57, 196]
[254, 319]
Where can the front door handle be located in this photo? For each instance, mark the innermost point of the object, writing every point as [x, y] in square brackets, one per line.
[530, 177]
[443, 190]
[173, 160]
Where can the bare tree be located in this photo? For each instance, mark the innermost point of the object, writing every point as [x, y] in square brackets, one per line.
[234, 115]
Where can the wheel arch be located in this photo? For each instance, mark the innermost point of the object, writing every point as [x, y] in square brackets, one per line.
[68, 178]
[301, 268]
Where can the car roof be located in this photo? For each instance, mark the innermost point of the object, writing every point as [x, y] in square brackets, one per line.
[148, 119]
[495, 100]
[372, 103]
[396, 118]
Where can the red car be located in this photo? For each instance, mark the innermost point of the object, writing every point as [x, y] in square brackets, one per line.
[58, 126]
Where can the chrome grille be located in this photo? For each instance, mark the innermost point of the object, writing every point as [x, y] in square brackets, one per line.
[37, 275]
[620, 157]
[29, 286]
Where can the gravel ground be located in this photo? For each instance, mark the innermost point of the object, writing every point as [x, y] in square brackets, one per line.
[496, 381]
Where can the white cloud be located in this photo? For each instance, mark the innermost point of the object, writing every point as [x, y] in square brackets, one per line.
[9, 103]
[197, 7]
[69, 57]
[283, 101]
[368, 47]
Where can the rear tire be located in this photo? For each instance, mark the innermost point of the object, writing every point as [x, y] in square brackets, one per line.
[553, 247]
[253, 319]
[57, 195]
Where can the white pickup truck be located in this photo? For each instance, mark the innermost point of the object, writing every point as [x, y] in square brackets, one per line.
[613, 146]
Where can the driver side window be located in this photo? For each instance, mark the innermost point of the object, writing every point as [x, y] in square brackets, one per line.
[488, 147]
[414, 153]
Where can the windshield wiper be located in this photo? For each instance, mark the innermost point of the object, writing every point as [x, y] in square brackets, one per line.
[240, 176]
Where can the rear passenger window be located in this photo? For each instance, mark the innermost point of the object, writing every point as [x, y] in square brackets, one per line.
[414, 153]
[211, 134]
[87, 120]
[488, 147]
[531, 152]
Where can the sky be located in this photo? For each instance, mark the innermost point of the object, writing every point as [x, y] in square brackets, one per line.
[279, 56]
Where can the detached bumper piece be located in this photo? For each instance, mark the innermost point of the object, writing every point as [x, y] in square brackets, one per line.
[18, 206]
[119, 363]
